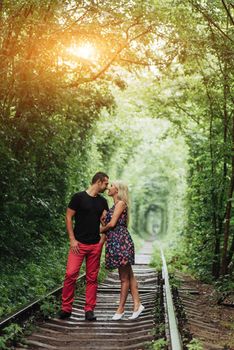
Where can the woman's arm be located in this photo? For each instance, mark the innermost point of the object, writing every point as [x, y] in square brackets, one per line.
[119, 208]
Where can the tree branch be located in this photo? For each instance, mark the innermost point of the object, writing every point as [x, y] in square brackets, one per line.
[105, 68]
[185, 111]
[146, 64]
[210, 20]
[228, 12]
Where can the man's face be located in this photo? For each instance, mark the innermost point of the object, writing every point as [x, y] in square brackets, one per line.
[103, 184]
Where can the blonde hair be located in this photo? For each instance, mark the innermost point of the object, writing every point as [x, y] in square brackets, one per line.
[123, 194]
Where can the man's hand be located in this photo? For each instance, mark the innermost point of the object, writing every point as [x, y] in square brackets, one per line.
[74, 244]
[102, 240]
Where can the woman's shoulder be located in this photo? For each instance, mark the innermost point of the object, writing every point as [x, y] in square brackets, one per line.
[121, 204]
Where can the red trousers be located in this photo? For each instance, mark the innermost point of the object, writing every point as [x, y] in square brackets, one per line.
[92, 254]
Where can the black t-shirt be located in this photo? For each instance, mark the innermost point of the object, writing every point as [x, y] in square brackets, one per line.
[87, 217]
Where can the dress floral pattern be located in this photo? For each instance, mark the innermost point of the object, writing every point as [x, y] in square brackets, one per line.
[119, 243]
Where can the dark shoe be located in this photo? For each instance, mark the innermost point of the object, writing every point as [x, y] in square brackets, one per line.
[64, 314]
[89, 316]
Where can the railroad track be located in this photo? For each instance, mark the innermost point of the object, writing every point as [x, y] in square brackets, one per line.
[75, 333]
[200, 320]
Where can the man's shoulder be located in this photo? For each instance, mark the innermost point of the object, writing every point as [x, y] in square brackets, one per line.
[103, 201]
[75, 201]
[101, 197]
[78, 194]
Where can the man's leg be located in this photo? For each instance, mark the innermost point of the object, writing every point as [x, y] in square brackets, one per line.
[74, 263]
[92, 269]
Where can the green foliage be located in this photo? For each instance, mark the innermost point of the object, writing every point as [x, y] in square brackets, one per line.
[49, 306]
[32, 279]
[195, 94]
[130, 138]
[11, 335]
[158, 344]
[156, 260]
[195, 344]
[224, 285]
[166, 130]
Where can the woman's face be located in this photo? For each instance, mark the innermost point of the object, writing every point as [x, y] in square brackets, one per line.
[112, 190]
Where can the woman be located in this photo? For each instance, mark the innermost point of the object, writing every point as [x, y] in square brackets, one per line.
[120, 248]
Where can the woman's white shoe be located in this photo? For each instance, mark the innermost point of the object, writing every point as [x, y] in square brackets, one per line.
[117, 317]
[137, 313]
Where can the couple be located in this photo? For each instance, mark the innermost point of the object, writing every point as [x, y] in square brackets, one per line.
[90, 209]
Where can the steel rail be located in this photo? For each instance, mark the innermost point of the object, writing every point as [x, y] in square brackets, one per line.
[174, 334]
[24, 313]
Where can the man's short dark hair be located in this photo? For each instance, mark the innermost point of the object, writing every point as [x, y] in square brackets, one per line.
[99, 176]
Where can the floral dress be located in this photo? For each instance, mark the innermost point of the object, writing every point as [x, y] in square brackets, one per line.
[119, 244]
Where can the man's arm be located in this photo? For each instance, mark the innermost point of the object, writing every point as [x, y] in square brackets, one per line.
[73, 242]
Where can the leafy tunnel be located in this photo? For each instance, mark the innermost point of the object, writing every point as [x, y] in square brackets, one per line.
[142, 90]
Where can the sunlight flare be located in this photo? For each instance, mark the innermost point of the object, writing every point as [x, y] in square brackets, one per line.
[86, 51]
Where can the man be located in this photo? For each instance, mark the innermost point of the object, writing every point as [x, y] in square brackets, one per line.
[88, 207]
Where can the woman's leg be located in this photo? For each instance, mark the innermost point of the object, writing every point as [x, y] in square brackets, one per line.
[134, 290]
[124, 275]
